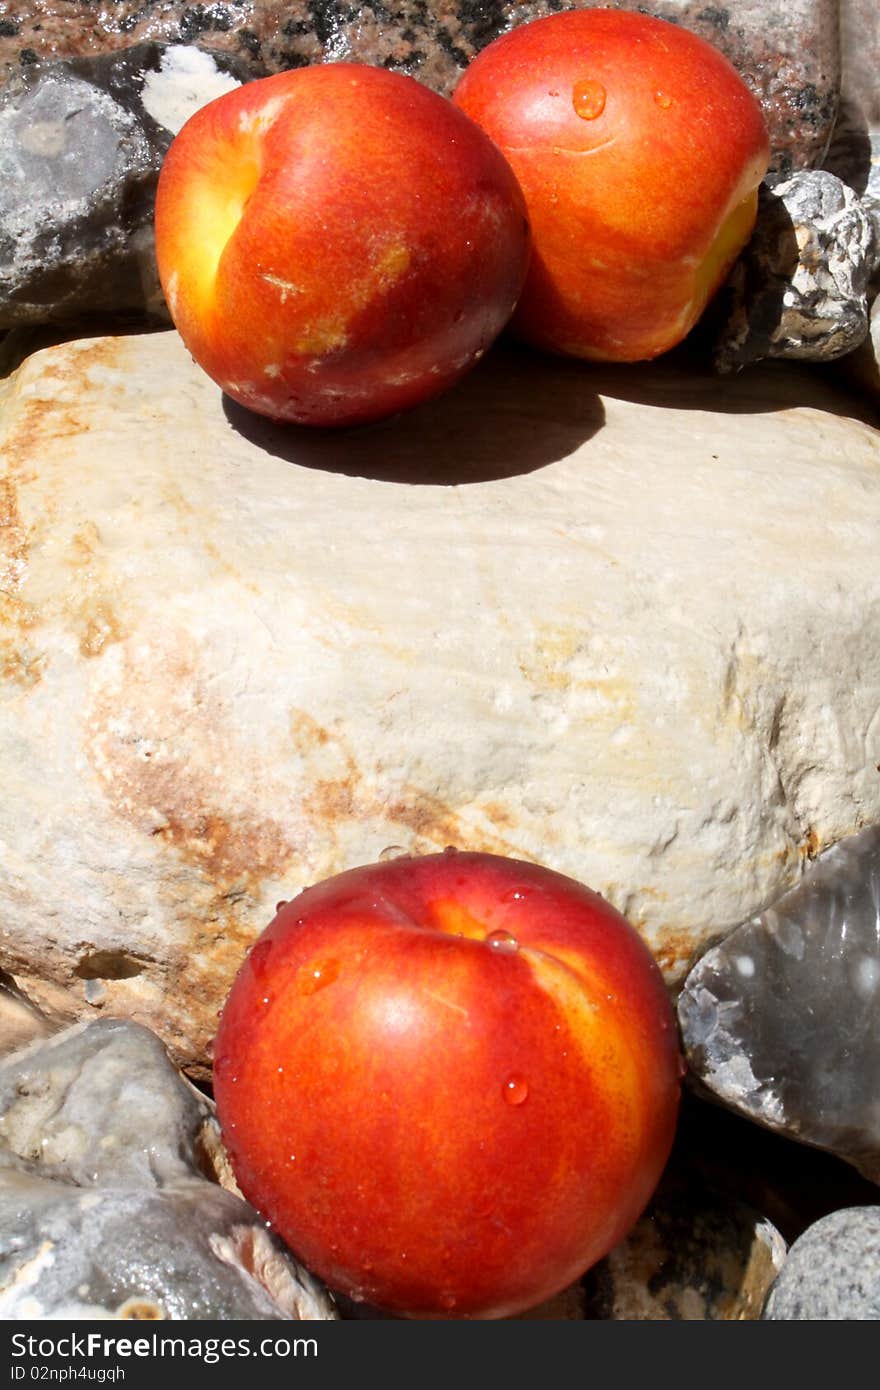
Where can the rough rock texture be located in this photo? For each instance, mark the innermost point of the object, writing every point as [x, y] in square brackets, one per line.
[854, 153]
[20, 1022]
[787, 50]
[694, 1255]
[636, 636]
[832, 1272]
[104, 1211]
[800, 289]
[781, 1020]
[81, 145]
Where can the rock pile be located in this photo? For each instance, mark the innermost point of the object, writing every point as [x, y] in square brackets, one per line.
[105, 1209]
[642, 648]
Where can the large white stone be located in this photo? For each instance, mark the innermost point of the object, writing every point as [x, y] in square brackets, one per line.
[625, 622]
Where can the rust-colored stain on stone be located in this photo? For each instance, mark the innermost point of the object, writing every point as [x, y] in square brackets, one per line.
[676, 949]
[64, 378]
[549, 660]
[165, 755]
[89, 606]
[560, 663]
[338, 790]
[100, 628]
[13, 555]
[810, 845]
[36, 421]
[20, 663]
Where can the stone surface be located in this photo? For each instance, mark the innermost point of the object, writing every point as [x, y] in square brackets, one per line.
[787, 50]
[800, 289]
[620, 621]
[694, 1255]
[790, 1184]
[855, 156]
[104, 1211]
[863, 366]
[781, 1021]
[832, 1272]
[20, 1022]
[854, 153]
[81, 145]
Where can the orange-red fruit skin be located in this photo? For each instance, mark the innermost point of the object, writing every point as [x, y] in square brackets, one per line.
[639, 150]
[337, 243]
[437, 1124]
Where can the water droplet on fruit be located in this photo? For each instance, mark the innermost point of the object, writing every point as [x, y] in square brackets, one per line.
[588, 98]
[393, 852]
[316, 975]
[515, 1090]
[258, 957]
[448, 1301]
[663, 100]
[503, 942]
[280, 904]
[515, 895]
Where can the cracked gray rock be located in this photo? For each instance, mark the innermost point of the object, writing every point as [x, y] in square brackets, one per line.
[105, 1209]
[81, 145]
[800, 288]
[832, 1272]
[781, 1020]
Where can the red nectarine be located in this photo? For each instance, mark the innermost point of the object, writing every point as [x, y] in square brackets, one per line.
[639, 150]
[337, 243]
[449, 1082]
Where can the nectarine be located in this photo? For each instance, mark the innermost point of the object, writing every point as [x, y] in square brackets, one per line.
[639, 150]
[337, 243]
[449, 1082]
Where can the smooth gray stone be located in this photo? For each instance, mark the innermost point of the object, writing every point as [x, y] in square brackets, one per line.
[832, 1271]
[781, 1020]
[81, 145]
[800, 288]
[104, 1208]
